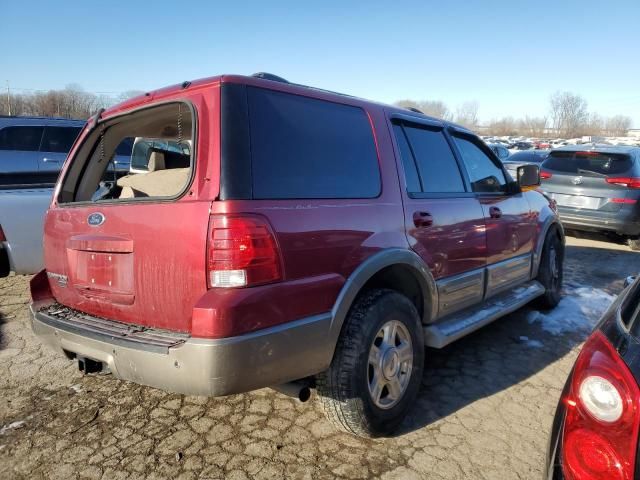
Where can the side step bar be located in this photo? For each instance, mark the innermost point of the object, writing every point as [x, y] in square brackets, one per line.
[462, 323]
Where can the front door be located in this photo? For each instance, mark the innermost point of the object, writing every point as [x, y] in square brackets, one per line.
[444, 221]
[510, 224]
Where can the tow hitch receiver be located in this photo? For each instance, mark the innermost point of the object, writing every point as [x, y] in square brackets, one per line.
[88, 366]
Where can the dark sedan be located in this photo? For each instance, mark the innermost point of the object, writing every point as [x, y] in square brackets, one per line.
[596, 426]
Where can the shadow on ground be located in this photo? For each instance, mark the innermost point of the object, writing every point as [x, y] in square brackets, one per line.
[497, 356]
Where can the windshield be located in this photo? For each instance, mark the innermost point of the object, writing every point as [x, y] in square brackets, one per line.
[589, 163]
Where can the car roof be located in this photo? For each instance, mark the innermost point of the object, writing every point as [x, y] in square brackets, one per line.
[591, 147]
[6, 121]
[269, 81]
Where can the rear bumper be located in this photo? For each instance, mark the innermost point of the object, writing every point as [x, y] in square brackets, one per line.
[622, 223]
[199, 366]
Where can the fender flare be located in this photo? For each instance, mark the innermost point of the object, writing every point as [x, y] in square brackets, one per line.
[366, 270]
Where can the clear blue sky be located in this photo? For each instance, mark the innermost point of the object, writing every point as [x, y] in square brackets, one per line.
[509, 56]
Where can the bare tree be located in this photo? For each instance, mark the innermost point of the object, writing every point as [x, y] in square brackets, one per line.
[433, 108]
[617, 126]
[568, 113]
[533, 126]
[505, 126]
[467, 115]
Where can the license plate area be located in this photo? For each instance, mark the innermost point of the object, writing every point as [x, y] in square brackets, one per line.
[577, 201]
[103, 275]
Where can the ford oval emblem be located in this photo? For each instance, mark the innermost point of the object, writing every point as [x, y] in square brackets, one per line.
[95, 219]
[577, 180]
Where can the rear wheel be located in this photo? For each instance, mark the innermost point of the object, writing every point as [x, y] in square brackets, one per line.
[376, 370]
[550, 273]
[634, 243]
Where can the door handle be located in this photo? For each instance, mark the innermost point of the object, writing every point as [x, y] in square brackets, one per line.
[422, 219]
[50, 160]
[495, 212]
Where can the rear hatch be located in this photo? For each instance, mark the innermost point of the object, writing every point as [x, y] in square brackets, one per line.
[589, 181]
[131, 246]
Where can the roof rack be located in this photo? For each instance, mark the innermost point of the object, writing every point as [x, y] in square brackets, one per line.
[269, 76]
[414, 109]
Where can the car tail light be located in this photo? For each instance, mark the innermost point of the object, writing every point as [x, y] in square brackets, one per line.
[2, 237]
[601, 424]
[629, 182]
[626, 201]
[242, 252]
[544, 175]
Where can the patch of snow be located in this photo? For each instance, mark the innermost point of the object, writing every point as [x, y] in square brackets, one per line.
[76, 388]
[12, 426]
[578, 311]
[531, 343]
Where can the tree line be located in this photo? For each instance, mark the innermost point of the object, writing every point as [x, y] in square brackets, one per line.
[568, 117]
[71, 102]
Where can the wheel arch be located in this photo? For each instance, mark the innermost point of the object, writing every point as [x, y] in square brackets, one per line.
[397, 269]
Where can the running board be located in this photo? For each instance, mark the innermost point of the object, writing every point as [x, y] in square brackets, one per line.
[462, 323]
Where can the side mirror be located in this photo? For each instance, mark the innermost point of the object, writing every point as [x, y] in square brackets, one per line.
[529, 176]
[629, 280]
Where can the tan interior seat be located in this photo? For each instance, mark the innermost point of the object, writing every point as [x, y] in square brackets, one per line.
[157, 182]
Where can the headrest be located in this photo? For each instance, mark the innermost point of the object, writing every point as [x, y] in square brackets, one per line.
[156, 161]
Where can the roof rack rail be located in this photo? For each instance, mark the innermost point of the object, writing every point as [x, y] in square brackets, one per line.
[269, 76]
[414, 109]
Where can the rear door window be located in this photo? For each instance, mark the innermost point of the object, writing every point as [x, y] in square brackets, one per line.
[594, 164]
[21, 138]
[307, 148]
[437, 167]
[484, 174]
[59, 139]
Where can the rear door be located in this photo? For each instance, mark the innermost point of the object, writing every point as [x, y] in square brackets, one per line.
[587, 182]
[444, 221]
[510, 224]
[55, 146]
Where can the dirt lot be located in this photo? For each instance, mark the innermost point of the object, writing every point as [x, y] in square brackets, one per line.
[484, 411]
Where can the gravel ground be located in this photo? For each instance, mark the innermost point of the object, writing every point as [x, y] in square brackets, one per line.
[484, 411]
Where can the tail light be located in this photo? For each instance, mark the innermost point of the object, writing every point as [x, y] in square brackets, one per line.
[629, 182]
[242, 252]
[624, 201]
[601, 425]
[2, 237]
[544, 175]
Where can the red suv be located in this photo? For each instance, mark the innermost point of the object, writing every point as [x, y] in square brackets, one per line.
[273, 234]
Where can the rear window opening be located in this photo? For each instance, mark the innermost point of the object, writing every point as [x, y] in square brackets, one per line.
[589, 164]
[158, 142]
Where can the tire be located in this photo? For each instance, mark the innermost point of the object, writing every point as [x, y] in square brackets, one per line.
[382, 324]
[634, 243]
[550, 273]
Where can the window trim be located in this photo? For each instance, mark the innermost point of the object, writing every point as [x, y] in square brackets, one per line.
[402, 120]
[511, 188]
[90, 129]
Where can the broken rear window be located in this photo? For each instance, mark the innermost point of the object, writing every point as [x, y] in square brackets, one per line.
[155, 147]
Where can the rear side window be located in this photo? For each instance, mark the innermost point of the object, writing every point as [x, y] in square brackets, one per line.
[588, 163]
[437, 167]
[485, 176]
[59, 139]
[21, 138]
[308, 148]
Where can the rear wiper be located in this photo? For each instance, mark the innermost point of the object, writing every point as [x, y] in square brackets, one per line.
[602, 175]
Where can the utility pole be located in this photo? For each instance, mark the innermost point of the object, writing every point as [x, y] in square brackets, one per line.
[8, 98]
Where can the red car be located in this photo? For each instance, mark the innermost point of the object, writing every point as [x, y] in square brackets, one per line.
[597, 423]
[273, 234]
